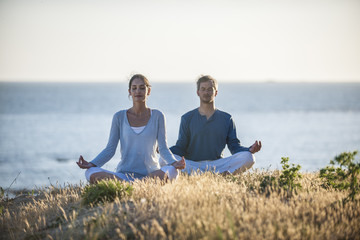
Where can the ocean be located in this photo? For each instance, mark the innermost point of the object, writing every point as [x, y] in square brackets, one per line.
[44, 127]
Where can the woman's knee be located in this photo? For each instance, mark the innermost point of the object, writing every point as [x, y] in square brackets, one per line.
[170, 171]
[91, 171]
[88, 174]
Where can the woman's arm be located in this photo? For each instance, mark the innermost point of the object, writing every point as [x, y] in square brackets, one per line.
[165, 153]
[111, 146]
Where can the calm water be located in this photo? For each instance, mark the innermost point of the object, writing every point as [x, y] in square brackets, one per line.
[44, 127]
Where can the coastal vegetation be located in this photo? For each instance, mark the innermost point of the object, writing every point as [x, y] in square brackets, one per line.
[259, 204]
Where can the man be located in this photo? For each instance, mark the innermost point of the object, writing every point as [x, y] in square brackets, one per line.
[205, 131]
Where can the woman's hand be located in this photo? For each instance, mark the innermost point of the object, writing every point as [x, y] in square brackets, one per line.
[179, 164]
[82, 163]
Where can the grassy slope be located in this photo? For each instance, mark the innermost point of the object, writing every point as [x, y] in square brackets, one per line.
[203, 206]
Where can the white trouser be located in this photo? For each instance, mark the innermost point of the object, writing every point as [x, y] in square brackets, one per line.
[237, 163]
[170, 171]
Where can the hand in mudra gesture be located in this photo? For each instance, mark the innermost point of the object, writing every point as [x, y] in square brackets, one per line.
[82, 163]
[179, 164]
[255, 147]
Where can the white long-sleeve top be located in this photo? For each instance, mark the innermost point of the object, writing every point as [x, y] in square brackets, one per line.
[138, 150]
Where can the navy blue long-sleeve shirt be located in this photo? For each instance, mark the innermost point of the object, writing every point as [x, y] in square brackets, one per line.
[205, 139]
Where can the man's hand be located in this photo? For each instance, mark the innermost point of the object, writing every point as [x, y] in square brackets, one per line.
[82, 163]
[255, 147]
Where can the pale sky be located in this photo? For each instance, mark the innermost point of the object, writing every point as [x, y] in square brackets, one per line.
[232, 40]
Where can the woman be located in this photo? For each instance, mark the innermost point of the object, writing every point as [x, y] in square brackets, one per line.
[140, 131]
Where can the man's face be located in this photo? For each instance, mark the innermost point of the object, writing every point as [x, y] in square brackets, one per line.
[207, 92]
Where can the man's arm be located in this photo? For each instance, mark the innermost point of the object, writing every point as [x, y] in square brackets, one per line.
[232, 141]
[183, 139]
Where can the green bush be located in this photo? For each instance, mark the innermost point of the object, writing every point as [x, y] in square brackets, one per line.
[343, 177]
[105, 191]
[289, 175]
[2, 193]
[268, 184]
[286, 180]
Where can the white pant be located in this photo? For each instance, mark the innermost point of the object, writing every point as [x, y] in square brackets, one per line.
[170, 171]
[237, 163]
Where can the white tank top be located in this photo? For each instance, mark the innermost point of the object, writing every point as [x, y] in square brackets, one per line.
[138, 129]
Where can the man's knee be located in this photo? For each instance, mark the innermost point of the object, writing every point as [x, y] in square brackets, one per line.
[246, 158]
[251, 159]
[247, 155]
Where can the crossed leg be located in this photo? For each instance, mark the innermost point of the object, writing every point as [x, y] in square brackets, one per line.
[234, 164]
[168, 172]
[96, 174]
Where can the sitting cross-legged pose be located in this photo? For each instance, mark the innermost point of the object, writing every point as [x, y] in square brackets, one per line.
[140, 131]
[204, 133]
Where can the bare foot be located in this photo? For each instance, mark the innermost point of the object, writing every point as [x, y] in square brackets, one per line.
[226, 173]
[98, 176]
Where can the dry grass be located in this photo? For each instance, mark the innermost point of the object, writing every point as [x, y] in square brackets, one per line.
[193, 207]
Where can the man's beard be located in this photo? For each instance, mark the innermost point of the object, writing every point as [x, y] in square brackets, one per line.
[207, 100]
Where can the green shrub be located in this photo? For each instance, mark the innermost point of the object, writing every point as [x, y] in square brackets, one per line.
[286, 180]
[268, 183]
[343, 177]
[289, 175]
[2, 193]
[105, 191]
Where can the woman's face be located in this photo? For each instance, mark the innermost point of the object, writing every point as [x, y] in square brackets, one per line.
[138, 90]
